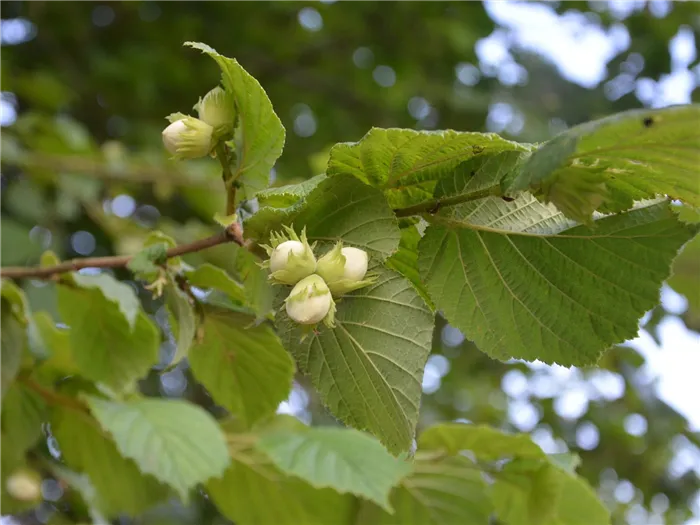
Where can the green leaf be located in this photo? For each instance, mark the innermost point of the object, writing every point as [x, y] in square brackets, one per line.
[259, 138]
[542, 493]
[145, 262]
[526, 491]
[245, 368]
[369, 368]
[339, 208]
[442, 491]
[577, 503]
[608, 164]
[406, 164]
[115, 291]
[23, 412]
[522, 281]
[56, 340]
[17, 301]
[258, 291]
[81, 484]
[480, 173]
[253, 492]
[104, 348]
[175, 441]
[182, 321]
[684, 277]
[405, 261]
[13, 338]
[225, 220]
[210, 276]
[486, 443]
[345, 460]
[121, 487]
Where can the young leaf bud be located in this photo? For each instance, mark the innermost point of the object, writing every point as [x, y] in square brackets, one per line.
[344, 269]
[24, 485]
[310, 302]
[291, 259]
[217, 109]
[189, 138]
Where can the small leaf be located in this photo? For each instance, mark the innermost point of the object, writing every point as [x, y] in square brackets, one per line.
[56, 340]
[443, 491]
[115, 291]
[23, 412]
[13, 336]
[120, 487]
[526, 491]
[225, 220]
[49, 258]
[245, 368]
[578, 503]
[405, 261]
[146, 261]
[209, 276]
[486, 443]
[522, 281]
[152, 433]
[259, 138]
[407, 164]
[253, 492]
[369, 368]
[17, 301]
[342, 459]
[258, 291]
[182, 320]
[104, 348]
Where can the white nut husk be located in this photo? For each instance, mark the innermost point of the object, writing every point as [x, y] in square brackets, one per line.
[310, 302]
[189, 138]
[344, 269]
[217, 109]
[291, 258]
[356, 261]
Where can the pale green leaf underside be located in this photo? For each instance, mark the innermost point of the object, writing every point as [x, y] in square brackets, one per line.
[406, 164]
[13, 336]
[639, 154]
[115, 291]
[578, 503]
[104, 348]
[209, 276]
[339, 208]
[486, 443]
[121, 487]
[345, 460]
[153, 433]
[526, 492]
[445, 491]
[182, 319]
[260, 138]
[244, 367]
[369, 368]
[253, 492]
[548, 291]
[405, 261]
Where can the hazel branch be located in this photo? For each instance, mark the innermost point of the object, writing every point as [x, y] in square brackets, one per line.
[231, 234]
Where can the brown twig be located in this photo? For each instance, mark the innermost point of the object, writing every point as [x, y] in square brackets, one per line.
[432, 206]
[231, 234]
